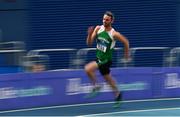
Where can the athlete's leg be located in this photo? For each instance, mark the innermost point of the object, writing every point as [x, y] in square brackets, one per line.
[90, 69]
[105, 71]
[112, 84]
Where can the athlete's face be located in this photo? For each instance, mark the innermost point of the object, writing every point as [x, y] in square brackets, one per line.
[107, 20]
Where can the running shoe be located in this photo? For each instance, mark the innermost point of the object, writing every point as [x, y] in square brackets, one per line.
[118, 100]
[94, 92]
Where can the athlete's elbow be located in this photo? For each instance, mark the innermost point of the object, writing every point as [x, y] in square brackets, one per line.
[89, 43]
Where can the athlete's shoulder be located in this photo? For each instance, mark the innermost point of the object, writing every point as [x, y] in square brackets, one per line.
[97, 28]
[117, 34]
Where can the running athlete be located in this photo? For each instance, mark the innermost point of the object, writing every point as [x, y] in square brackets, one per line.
[105, 37]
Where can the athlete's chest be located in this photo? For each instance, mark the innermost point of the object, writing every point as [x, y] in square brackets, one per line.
[104, 37]
[103, 41]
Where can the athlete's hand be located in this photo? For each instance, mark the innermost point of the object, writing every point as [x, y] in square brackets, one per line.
[90, 30]
[126, 59]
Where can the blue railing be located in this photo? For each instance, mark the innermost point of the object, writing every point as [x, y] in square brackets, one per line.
[140, 57]
[70, 58]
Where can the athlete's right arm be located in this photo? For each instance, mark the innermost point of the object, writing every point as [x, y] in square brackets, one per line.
[92, 32]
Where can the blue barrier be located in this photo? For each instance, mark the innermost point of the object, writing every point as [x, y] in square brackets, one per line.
[10, 69]
[25, 90]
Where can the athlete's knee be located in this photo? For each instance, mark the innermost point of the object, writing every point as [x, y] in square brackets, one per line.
[86, 68]
[89, 68]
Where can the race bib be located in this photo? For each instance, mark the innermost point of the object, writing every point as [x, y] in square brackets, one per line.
[101, 47]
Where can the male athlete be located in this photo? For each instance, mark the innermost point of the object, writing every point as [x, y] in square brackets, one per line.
[105, 37]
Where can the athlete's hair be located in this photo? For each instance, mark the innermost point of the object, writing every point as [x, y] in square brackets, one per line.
[109, 13]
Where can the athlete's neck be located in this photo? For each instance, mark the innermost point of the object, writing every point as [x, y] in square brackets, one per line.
[108, 28]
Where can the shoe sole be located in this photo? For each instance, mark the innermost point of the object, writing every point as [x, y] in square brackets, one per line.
[117, 105]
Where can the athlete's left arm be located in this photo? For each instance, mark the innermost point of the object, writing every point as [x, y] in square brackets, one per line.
[124, 40]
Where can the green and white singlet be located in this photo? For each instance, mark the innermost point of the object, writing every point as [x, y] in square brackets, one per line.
[105, 45]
